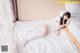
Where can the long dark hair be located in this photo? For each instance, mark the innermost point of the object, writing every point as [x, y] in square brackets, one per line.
[68, 14]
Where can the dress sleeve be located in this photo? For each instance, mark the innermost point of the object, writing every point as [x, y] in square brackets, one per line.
[57, 19]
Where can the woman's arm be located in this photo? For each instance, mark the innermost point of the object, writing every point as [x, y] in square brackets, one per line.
[61, 27]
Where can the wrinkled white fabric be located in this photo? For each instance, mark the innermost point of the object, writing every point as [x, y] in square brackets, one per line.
[28, 31]
[52, 43]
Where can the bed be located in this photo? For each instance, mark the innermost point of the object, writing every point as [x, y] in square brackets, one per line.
[32, 32]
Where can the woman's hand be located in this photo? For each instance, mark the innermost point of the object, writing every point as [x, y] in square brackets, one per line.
[61, 27]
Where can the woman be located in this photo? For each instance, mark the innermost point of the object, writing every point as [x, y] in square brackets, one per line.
[59, 23]
[52, 43]
[64, 21]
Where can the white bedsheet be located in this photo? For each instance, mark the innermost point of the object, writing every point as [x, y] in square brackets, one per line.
[27, 31]
[52, 43]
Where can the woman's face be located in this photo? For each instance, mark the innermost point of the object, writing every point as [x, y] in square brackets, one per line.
[65, 17]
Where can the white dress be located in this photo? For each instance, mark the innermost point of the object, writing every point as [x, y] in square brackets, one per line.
[52, 43]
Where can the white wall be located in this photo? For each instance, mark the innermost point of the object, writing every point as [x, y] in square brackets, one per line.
[38, 9]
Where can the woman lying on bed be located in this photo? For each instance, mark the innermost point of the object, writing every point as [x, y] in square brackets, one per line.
[56, 41]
